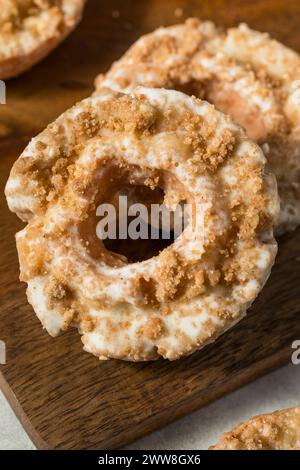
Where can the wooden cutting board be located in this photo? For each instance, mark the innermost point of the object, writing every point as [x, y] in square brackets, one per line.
[64, 397]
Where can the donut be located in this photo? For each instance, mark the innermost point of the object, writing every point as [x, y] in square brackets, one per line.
[30, 29]
[194, 289]
[244, 73]
[274, 431]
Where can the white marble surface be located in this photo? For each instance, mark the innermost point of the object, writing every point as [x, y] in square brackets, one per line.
[199, 430]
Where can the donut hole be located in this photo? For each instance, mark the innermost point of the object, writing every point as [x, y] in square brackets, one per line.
[152, 238]
[115, 234]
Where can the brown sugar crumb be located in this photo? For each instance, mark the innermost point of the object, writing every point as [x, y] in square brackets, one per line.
[230, 270]
[249, 224]
[214, 276]
[170, 276]
[127, 114]
[60, 166]
[40, 146]
[196, 284]
[193, 125]
[208, 150]
[173, 197]
[152, 183]
[218, 151]
[69, 317]
[199, 281]
[56, 290]
[148, 292]
[165, 310]
[88, 324]
[156, 50]
[222, 149]
[87, 124]
[224, 314]
[153, 329]
[32, 260]
[166, 285]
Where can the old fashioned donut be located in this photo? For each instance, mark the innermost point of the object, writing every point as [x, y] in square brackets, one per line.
[274, 431]
[30, 29]
[244, 73]
[176, 302]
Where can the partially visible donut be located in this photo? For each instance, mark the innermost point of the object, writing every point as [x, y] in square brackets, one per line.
[244, 73]
[274, 431]
[30, 29]
[202, 284]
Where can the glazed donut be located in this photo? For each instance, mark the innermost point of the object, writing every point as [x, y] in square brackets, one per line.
[244, 73]
[274, 431]
[176, 302]
[30, 29]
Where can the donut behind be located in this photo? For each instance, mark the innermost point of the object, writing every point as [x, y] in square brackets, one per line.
[244, 73]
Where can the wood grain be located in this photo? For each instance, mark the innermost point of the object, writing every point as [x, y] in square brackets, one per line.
[65, 398]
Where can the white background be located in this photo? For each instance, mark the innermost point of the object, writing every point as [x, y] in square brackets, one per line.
[201, 429]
